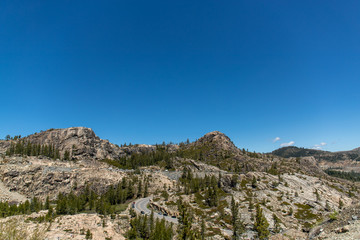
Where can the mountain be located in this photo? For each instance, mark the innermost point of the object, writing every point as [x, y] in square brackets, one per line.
[286, 152]
[79, 142]
[292, 151]
[217, 141]
[104, 189]
[215, 146]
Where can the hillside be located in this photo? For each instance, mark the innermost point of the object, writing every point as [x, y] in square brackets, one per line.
[210, 181]
[78, 142]
[352, 155]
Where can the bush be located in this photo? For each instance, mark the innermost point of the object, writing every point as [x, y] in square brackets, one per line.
[333, 216]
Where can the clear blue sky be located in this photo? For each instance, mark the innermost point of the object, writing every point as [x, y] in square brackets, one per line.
[148, 71]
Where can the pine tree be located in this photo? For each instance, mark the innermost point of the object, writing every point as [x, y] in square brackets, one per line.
[47, 203]
[88, 234]
[66, 155]
[261, 225]
[146, 189]
[238, 226]
[254, 182]
[341, 203]
[203, 228]
[185, 231]
[234, 180]
[277, 222]
[139, 192]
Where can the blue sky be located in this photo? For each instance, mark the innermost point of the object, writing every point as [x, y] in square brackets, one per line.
[153, 71]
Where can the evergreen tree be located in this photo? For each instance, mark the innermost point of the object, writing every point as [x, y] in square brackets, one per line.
[66, 155]
[238, 226]
[234, 180]
[185, 231]
[146, 189]
[88, 234]
[261, 225]
[139, 192]
[203, 229]
[277, 222]
[341, 203]
[254, 182]
[47, 203]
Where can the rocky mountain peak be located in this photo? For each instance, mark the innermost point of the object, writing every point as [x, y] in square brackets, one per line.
[81, 142]
[218, 140]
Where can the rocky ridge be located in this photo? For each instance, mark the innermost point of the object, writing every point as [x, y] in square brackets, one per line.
[81, 143]
[294, 188]
[320, 155]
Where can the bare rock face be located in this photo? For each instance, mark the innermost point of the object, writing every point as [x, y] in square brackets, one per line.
[81, 142]
[3, 146]
[41, 177]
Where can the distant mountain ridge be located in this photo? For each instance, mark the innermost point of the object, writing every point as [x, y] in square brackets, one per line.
[292, 151]
[83, 143]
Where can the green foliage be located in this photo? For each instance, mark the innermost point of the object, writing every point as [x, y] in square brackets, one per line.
[333, 216]
[136, 160]
[106, 203]
[254, 182]
[234, 180]
[273, 169]
[238, 226]
[66, 155]
[341, 203]
[277, 222]
[185, 228]
[202, 229]
[144, 227]
[207, 186]
[261, 225]
[304, 212]
[352, 176]
[24, 148]
[88, 234]
[27, 207]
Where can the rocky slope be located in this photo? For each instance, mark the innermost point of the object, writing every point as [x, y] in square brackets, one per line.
[295, 189]
[217, 142]
[80, 142]
[346, 161]
[31, 176]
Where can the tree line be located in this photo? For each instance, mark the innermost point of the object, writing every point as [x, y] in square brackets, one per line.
[26, 148]
[208, 186]
[104, 203]
[144, 227]
[352, 176]
[137, 160]
[9, 209]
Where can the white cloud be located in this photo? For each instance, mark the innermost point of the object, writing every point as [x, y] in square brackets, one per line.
[319, 146]
[276, 139]
[287, 144]
[316, 147]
